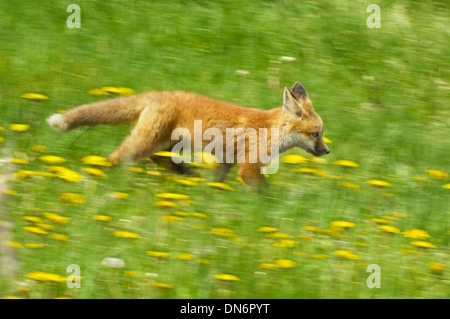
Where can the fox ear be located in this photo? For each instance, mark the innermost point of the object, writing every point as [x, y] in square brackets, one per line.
[291, 105]
[298, 92]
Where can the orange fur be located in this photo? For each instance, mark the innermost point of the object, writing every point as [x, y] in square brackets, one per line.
[159, 113]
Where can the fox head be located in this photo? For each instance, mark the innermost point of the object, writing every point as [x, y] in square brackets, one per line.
[302, 126]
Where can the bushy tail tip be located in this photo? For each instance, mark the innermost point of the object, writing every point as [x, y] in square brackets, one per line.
[57, 121]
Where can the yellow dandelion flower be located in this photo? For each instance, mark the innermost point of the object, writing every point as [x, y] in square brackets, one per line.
[327, 140]
[310, 228]
[52, 159]
[346, 254]
[186, 182]
[39, 148]
[438, 174]
[422, 244]
[97, 92]
[60, 237]
[172, 196]
[325, 231]
[389, 229]
[224, 186]
[223, 231]
[199, 215]
[171, 219]
[9, 192]
[204, 261]
[94, 172]
[420, 179]
[379, 220]
[45, 174]
[165, 203]
[166, 154]
[102, 218]
[153, 173]
[19, 127]
[436, 267]
[319, 256]
[349, 185]
[20, 161]
[285, 243]
[33, 219]
[285, 263]
[267, 266]
[95, 160]
[34, 96]
[125, 234]
[277, 235]
[205, 159]
[194, 164]
[2, 128]
[56, 218]
[397, 214]
[12, 297]
[22, 174]
[34, 245]
[294, 159]
[196, 179]
[267, 229]
[121, 195]
[360, 244]
[376, 182]
[158, 254]
[67, 174]
[35, 230]
[44, 276]
[130, 274]
[318, 161]
[226, 277]
[137, 170]
[416, 233]
[181, 214]
[2, 139]
[342, 224]
[446, 186]
[118, 90]
[72, 198]
[240, 180]
[346, 163]
[185, 256]
[314, 171]
[304, 236]
[162, 285]
[37, 276]
[388, 194]
[14, 244]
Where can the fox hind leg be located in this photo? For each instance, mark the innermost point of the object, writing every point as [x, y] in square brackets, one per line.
[251, 174]
[145, 138]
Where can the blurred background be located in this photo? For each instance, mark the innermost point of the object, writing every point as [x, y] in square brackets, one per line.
[382, 93]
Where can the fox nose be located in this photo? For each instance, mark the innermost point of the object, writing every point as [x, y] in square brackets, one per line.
[327, 151]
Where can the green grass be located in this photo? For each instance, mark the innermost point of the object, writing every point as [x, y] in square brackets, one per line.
[383, 96]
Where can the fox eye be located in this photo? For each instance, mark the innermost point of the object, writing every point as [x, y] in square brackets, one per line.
[315, 134]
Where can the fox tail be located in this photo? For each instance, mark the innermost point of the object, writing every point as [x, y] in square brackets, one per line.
[115, 111]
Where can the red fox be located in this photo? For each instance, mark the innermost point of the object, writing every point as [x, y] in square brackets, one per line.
[158, 114]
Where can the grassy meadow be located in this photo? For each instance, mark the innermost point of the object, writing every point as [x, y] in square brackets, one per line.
[380, 197]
